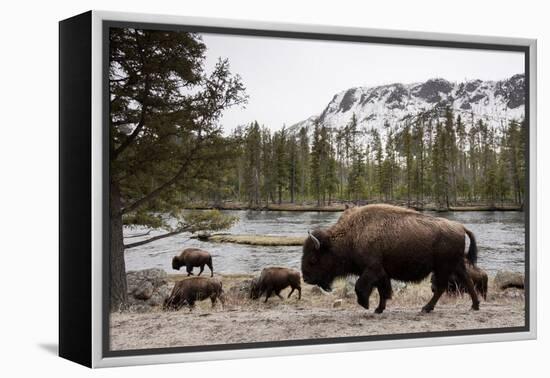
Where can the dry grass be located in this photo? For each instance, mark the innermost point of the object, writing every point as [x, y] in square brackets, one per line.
[314, 316]
[413, 296]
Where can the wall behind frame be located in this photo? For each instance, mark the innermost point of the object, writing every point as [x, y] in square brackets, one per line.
[29, 324]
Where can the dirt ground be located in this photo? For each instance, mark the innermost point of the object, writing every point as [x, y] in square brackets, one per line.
[316, 315]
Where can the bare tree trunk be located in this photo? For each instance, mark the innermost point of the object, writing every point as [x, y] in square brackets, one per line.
[118, 286]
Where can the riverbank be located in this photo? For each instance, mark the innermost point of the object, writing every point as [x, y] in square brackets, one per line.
[316, 315]
[336, 207]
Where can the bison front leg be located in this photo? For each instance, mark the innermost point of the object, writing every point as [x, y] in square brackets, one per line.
[363, 289]
[268, 294]
[384, 292]
[189, 270]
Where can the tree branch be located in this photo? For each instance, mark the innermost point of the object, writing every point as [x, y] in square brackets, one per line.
[132, 136]
[156, 192]
[146, 241]
[138, 235]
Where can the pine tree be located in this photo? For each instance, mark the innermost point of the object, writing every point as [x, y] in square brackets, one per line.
[253, 149]
[303, 156]
[161, 139]
[281, 162]
[378, 161]
[315, 159]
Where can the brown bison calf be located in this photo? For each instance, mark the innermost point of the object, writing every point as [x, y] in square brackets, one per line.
[455, 285]
[192, 257]
[190, 290]
[273, 280]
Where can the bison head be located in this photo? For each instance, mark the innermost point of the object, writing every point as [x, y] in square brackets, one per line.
[255, 288]
[176, 263]
[318, 263]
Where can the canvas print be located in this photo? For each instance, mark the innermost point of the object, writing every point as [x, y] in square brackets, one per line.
[266, 190]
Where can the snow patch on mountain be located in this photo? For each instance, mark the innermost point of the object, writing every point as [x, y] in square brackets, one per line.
[495, 102]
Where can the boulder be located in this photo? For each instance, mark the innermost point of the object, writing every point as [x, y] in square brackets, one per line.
[316, 290]
[147, 288]
[337, 303]
[241, 289]
[506, 279]
[157, 277]
[397, 286]
[348, 291]
[144, 291]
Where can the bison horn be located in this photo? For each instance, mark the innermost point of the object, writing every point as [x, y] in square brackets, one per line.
[315, 240]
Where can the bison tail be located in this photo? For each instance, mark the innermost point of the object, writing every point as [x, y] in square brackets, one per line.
[472, 250]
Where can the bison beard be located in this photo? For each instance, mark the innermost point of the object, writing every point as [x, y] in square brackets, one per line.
[381, 242]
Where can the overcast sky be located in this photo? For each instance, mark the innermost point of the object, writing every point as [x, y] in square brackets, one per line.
[289, 80]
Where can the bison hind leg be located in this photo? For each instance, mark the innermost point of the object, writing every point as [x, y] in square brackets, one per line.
[209, 263]
[291, 291]
[439, 285]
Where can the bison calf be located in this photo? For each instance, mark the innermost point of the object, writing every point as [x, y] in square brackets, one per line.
[190, 290]
[273, 280]
[192, 257]
[455, 285]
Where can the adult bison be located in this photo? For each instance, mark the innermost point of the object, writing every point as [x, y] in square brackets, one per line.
[382, 242]
[273, 280]
[190, 290]
[192, 257]
[479, 278]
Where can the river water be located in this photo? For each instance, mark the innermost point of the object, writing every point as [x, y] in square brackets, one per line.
[500, 237]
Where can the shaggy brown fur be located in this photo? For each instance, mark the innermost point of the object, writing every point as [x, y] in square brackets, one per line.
[273, 280]
[190, 290]
[192, 257]
[479, 278]
[383, 242]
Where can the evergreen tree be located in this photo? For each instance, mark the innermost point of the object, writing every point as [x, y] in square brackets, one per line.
[315, 159]
[281, 162]
[161, 139]
[303, 163]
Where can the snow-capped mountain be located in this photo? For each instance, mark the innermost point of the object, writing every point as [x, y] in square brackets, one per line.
[495, 102]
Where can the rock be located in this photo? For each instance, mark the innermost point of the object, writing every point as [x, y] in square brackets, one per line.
[157, 277]
[140, 308]
[316, 290]
[505, 280]
[348, 291]
[337, 303]
[144, 291]
[513, 293]
[147, 288]
[159, 295]
[241, 289]
[397, 286]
